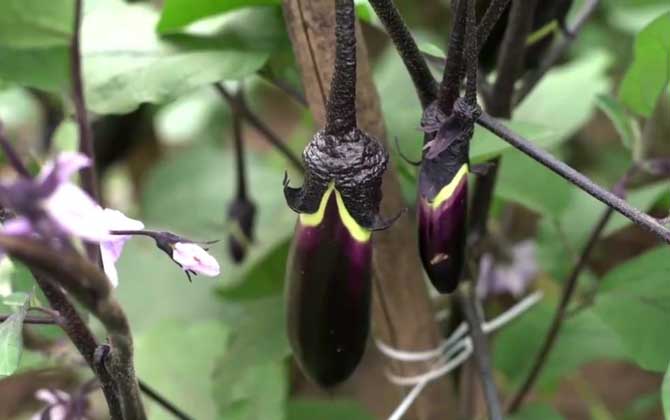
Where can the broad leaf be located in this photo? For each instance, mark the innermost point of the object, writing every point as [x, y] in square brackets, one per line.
[327, 410]
[634, 301]
[36, 23]
[11, 341]
[665, 394]
[177, 359]
[649, 74]
[125, 68]
[178, 13]
[264, 277]
[626, 127]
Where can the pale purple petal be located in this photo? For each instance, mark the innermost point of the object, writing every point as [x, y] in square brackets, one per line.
[109, 258]
[17, 226]
[77, 214]
[65, 165]
[192, 257]
[115, 220]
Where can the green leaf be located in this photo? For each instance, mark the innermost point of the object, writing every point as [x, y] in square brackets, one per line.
[665, 394]
[327, 410]
[177, 359]
[521, 340]
[626, 127]
[124, 69]
[44, 68]
[564, 100]
[36, 23]
[531, 184]
[178, 13]
[260, 393]
[649, 74]
[634, 301]
[264, 278]
[253, 364]
[537, 411]
[11, 341]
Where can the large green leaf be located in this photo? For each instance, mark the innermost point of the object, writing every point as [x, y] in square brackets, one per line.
[125, 68]
[626, 127]
[583, 338]
[177, 359]
[11, 342]
[531, 184]
[327, 410]
[263, 278]
[564, 100]
[634, 301]
[665, 394]
[178, 13]
[41, 67]
[537, 411]
[649, 74]
[35, 23]
[250, 379]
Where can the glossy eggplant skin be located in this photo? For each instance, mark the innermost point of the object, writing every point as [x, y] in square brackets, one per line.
[328, 291]
[442, 232]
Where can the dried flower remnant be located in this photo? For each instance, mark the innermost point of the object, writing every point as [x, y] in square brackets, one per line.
[328, 279]
[241, 215]
[508, 276]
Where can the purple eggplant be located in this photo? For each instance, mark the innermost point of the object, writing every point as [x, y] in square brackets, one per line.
[328, 277]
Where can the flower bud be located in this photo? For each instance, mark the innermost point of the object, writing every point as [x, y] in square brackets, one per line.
[241, 216]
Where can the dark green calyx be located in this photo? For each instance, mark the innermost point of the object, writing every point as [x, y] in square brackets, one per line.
[355, 163]
[455, 129]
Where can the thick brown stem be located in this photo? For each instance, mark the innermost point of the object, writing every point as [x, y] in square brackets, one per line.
[402, 312]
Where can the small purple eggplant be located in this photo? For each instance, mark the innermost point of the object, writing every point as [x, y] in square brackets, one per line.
[328, 277]
[443, 197]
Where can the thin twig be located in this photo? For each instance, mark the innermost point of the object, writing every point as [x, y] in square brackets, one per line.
[240, 166]
[511, 57]
[482, 355]
[569, 288]
[424, 82]
[557, 51]
[163, 402]
[259, 125]
[576, 178]
[284, 86]
[90, 287]
[88, 174]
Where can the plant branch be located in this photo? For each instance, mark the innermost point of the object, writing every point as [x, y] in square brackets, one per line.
[557, 51]
[511, 57]
[240, 166]
[36, 320]
[569, 288]
[283, 85]
[82, 338]
[92, 288]
[481, 352]
[424, 82]
[491, 16]
[88, 174]
[576, 178]
[258, 124]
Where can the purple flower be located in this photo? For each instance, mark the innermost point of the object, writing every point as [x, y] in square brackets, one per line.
[110, 250]
[60, 406]
[497, 277]
[51, 205]
[194, 259]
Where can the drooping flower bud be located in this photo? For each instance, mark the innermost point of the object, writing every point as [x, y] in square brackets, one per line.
[328, 278]
[241, 216]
